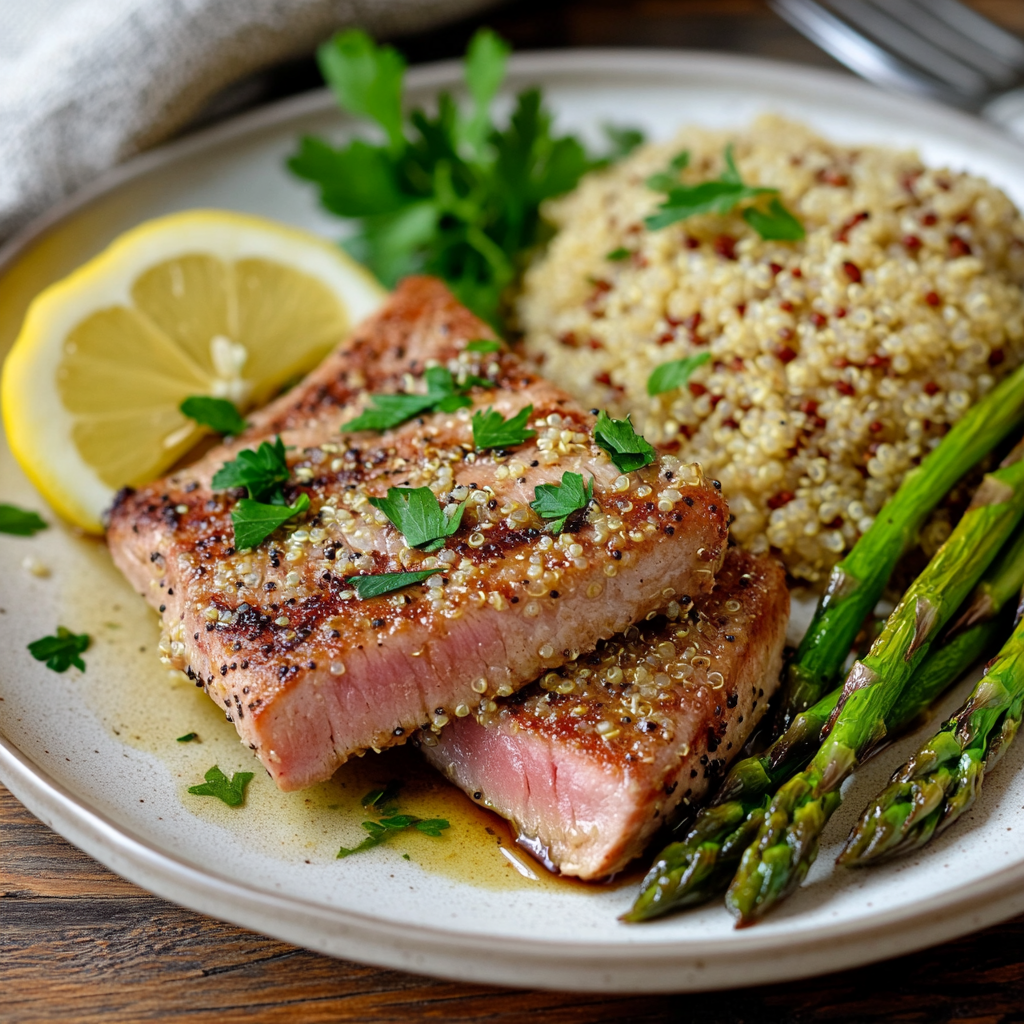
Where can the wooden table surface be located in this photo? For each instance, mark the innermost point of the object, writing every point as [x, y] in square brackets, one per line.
[78, 943]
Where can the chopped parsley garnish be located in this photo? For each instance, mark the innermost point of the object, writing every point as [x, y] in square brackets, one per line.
[188, 737]
[675, 373]
[386, 582]
[492, 430]
[446, 193]
[561, 502]
[255, 521]
[419, 517]
[262, 472]
[775, 224]
[216, 413]
[444, 394]
[382, 798]
[619, 254]
[231, 791]
[665, 181]
[721, 195]
[19, 521]
[382, 802]
[628, 449]
[62, 651]
[483, 345]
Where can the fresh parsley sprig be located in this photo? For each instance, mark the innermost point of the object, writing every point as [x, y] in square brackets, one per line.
[382, 802]
[255, 521]
[775, 224]
[721, 195]
[449, 193]
[230, 791]
[492, 430]
[417, 514]
[386, 582]
[62, 651]
[667, 180]
[263, 473]
[218, 414]
[675, 373]
[187, 738]
[629, 450]
[443, 394]
[561, 502]
[483, 345]
[20, 521]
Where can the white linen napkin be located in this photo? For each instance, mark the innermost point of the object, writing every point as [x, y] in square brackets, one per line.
[85, 84]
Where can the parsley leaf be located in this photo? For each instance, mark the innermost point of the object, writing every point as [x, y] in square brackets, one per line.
[19, 521]
[432, 827]
[450, 193]
[417, 514]
[255, 521]
[628, 449]
[777, 224]
[387, 411]
[561, 502]
[483, 345]
[492, 430]
[382, 802]
[443, 395]
[622, 141]
[261, 471]
[486, 58]
[384, 797]
[231, 791]
[675, 373]
[618, 254]
[721, 195]
[665, 181]
[62, 651]
[366, 79]
[188, 737]
[708, 197]
[216, 413]
[386, 582]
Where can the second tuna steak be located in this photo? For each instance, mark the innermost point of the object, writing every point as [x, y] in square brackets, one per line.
[588, 763]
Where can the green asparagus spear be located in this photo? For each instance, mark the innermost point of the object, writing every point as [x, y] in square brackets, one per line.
[701, 865]
[858, 580]
[944, 777]
[787, 844]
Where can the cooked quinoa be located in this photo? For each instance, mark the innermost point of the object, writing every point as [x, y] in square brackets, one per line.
[837, 362]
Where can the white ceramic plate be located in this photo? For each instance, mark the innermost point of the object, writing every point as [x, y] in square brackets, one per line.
[95, 756]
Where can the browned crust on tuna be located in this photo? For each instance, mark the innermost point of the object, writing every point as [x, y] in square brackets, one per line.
[664, 739]
[309, 673]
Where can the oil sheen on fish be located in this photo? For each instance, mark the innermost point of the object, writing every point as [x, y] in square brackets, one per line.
[590, 761]
[309, 672]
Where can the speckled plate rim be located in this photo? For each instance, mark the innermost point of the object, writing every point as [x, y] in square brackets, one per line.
[749, 957]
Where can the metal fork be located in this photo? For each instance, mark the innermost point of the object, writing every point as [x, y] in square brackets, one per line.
[938, 48]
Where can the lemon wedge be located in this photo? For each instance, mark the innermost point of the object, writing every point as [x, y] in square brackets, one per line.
[205, 302]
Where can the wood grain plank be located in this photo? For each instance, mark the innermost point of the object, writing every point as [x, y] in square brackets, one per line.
[97, 949]
[36, 861]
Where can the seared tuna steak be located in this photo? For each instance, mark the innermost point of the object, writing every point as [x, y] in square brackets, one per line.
[310, 672]
[589, 762]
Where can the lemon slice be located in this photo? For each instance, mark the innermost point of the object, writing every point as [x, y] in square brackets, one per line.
[199, 303]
